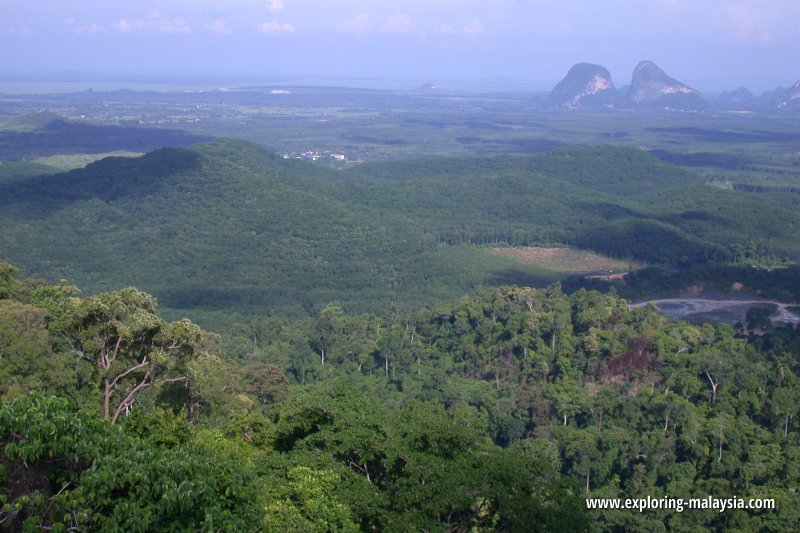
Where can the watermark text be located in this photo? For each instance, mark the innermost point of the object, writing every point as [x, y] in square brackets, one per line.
[680, 504]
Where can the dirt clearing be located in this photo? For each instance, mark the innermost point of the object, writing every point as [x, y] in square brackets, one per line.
[564, 259]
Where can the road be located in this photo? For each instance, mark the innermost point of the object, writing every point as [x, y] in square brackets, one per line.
[700, 307]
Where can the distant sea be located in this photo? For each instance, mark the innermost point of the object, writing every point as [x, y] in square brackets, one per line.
[66, 87]
[12, 86]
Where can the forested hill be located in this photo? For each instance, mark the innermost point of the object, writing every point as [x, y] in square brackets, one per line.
[226, 227]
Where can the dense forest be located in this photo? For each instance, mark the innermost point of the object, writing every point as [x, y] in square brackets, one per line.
[373, 366]
[227, 231]
[498, 411]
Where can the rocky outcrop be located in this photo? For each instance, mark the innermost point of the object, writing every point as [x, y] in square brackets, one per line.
[791, 99]
[585, 86]
[652, 87]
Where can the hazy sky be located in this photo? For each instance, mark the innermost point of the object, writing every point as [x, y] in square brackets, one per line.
[712, 44]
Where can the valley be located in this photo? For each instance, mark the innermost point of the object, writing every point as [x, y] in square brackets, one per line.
[434, 330]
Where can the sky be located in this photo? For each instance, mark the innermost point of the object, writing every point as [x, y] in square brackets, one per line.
[709, 44]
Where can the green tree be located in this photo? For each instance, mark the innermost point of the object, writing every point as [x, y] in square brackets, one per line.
[27, 362]
[127, 345]
[10, 287]
[67, 470]
[306, 502]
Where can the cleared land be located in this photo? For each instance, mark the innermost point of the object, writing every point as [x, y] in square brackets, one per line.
[564, 259]
[725, 310]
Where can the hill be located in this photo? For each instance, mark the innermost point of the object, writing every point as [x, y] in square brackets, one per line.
[585, 85]
[739, 97]
[652, 87]
[791, 99]
[225, 227]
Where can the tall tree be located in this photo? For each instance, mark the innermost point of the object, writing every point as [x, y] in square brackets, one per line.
[128, 346]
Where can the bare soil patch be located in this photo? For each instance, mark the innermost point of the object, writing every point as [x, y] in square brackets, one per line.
[564, 259]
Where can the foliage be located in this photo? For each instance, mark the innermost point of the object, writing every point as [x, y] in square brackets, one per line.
[621, 403]
[230, 231]
[127, 346]
[67, 469]
[501, 410]
[27, 362]
[497, 411]
[304, 504]
[419, 467]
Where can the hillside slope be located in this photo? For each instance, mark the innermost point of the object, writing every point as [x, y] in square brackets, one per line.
[226, 227]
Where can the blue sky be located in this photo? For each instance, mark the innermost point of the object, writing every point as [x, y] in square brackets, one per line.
[712, 44]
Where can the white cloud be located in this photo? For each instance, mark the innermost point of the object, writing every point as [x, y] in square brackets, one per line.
[276, 27]
[20, 30]
[154, 22]
[473, 28]
[220, 27]
[177, 25]
[71, 23]
[750, 24]
[359, 24]
[123, 26]
[91, 28]
[399, 23]
[276, 6]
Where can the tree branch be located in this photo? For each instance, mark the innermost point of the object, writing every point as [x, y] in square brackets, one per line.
[116, 350]
[142, 385]
[143, 364]
[127, 400]
[73, 349]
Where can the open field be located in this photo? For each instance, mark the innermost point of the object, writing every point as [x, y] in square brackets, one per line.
[564, 259]
[63, 162]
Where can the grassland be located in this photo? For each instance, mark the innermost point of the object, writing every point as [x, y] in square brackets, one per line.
[64, 162]
[564, 260]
